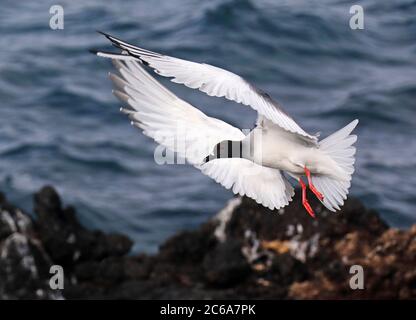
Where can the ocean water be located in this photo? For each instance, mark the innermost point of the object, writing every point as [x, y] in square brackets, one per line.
[60, 124]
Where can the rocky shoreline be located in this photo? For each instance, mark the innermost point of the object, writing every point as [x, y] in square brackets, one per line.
[245, 251]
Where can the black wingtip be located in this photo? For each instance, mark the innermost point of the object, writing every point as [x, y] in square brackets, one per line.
[113, 40]
[93, 51]
[103, 33]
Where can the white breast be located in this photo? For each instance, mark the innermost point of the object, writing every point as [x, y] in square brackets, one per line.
[279, 149]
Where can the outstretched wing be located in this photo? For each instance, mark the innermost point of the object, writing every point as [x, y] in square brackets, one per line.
[215, 82]
[266, 186]
[170, 121]
[182, 128]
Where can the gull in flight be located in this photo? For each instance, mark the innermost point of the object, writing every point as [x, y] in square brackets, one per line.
[277, 144]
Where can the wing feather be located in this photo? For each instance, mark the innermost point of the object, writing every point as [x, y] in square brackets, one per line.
[214, 81]
[170, 121]
[160, 114]
[266, 186]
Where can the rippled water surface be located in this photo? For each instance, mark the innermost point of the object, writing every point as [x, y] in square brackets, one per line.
[60, 124]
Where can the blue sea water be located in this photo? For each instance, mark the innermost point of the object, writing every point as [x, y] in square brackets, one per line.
[60, 124]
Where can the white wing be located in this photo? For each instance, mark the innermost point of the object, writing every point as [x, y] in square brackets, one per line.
[215, 82]
[265, 185]
[170, 121]
[180, 127]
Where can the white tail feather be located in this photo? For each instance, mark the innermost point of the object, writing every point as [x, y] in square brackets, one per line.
[339, 146]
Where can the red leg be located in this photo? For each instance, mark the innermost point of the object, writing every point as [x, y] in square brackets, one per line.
[312, 187]
[305, 200]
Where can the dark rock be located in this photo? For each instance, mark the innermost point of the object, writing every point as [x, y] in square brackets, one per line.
[47, 203]
[189, 246]
[270, 225]
[246, 252]
[66, 240]
[225, 265]
[28, 249]
[287, 269]
[7, 224]
[24, 264]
